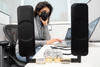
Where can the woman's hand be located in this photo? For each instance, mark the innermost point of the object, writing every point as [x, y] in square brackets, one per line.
[53, 40]
[44, 22]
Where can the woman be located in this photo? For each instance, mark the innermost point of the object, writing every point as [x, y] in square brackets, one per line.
[42, 13]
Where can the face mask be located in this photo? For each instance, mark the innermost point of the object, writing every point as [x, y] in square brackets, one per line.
[44, 15]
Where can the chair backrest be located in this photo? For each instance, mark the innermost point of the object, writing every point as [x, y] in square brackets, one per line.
[11, 33]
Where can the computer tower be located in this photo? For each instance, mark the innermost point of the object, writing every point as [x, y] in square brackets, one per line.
[79, 29]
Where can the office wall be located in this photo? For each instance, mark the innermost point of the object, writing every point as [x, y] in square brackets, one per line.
[2, 36]
[4, 16]
[94, 9]
[59, 30]
[94, 12]
[10, 7]
[60, 10]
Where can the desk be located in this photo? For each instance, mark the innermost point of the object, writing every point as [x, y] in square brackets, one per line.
[91, 60]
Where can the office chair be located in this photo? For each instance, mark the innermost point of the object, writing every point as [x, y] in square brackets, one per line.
[11, 33]
[24, 34]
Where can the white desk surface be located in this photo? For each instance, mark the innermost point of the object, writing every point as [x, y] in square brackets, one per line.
[91, 60]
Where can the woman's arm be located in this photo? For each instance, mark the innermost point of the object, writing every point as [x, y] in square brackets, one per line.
[40, 43]
[46, 33]
[46, 36]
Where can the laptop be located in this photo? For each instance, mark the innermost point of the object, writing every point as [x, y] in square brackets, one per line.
[67, 40]
[94, 30]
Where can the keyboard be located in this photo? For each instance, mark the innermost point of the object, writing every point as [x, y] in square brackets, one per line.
[64, 43]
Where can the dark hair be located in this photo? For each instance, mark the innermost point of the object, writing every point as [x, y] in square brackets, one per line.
[41, 5]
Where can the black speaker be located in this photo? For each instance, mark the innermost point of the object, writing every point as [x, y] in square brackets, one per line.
[79, 29]
[26, 36]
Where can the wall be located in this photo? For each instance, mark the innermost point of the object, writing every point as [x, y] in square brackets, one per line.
[94, 9]
[2, 36]
[60, 10]
[10, 7]
[59, 30]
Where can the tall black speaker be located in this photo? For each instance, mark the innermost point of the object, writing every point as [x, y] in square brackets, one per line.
[26, 36]
[79, 29]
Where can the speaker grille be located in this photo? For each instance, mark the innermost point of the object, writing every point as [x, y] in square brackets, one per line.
[79, 29]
